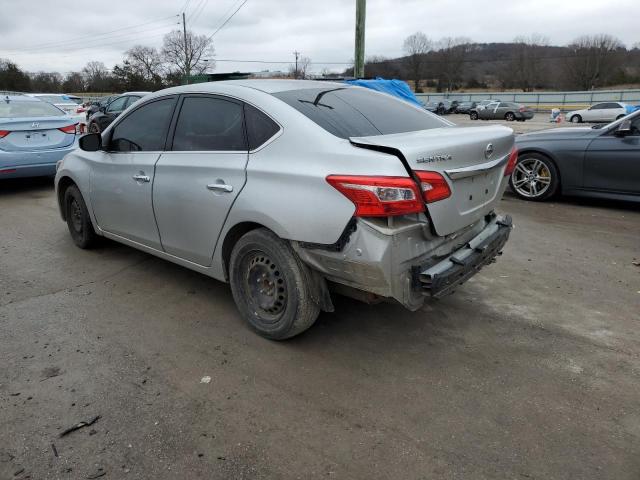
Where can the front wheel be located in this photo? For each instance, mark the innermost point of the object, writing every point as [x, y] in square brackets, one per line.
[576, 119]
[78, 219]
[473, 115]
[509, 117]
[94, 128]
[271, 286]
[535, 177]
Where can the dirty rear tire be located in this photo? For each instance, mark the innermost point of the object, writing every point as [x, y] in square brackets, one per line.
[78, 220]
[473, 116]
[270, 286]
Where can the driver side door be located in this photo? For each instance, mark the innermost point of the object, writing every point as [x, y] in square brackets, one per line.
[122, 175]
[613, 163]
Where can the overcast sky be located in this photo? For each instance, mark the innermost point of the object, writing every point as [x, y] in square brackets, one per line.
[41, 35]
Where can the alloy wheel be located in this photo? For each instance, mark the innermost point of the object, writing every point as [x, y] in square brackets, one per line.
[531, 177]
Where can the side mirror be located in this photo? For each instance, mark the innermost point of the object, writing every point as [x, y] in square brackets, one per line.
[623, 129]
[91, 142]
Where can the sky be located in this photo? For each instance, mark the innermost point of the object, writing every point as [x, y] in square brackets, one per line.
[40, 35]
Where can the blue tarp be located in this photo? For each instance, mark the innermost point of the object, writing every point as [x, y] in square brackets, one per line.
[397, 88]
[632, 108]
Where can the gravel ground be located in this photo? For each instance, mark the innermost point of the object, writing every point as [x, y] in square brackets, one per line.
[530, 371]
[539, 122]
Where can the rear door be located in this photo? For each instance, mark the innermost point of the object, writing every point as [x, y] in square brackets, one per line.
[198, 179]
[122, 175]
[613, 163]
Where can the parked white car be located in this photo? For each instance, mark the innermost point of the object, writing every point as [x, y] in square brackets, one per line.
[605, 112]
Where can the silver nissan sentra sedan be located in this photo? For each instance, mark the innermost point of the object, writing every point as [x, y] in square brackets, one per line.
[290, 190]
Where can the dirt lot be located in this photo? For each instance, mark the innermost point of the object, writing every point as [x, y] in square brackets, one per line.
[530, 371]
[539, 122]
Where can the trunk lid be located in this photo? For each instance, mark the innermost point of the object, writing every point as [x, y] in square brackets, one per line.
[460, 155]
[32, 134]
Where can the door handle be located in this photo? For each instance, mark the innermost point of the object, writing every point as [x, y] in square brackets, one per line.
[141, 178]
[220, 187]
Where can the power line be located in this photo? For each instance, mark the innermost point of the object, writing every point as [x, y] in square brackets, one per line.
[228, 19]
[92, 36]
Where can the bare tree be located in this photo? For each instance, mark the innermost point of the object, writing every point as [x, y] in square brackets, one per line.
[416, 47]
[303, 68]
[147, 63]
[526, 70]
[96, 77]
[451, 54]
[188, 57]
[593, 60]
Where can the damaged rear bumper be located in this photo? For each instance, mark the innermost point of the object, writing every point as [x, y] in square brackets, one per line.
[442, 278]
[405, 261]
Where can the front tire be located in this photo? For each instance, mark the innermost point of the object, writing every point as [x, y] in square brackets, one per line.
[576, 119]
[473, 115]
[78, 220]
[270, 286]
[509, 117]
[534, 178]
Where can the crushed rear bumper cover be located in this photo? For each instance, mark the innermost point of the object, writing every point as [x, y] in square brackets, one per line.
[444, 277]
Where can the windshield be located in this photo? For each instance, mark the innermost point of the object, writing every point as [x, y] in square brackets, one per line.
[356, 112]
[18, 109]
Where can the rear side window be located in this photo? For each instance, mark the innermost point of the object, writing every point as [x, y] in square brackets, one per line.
[117, 105]
[260, 127]
[355, 112]
[209, 124]
[145, 129]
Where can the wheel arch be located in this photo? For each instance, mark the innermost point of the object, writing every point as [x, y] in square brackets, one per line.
[231, 238]
[63, 184]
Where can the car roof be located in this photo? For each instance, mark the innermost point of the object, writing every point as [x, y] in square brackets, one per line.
[133, 93]
[263, 85]
[19, 98]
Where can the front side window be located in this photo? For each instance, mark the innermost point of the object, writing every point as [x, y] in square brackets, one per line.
[145, 129]
[131, 100]
[356, 112]
[209, 124]
[117, 105]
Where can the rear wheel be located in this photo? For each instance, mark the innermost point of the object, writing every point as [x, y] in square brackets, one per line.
[620, 116]
[78, 219]
[535, 177]
[576, 119]
[473, 115]
[509, 117]
[270, 286]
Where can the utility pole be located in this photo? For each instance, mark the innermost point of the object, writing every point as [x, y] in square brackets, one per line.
[187, 63]
[295, 72]
[361, 13]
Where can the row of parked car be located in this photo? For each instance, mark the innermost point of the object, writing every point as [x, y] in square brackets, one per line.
[482, 110]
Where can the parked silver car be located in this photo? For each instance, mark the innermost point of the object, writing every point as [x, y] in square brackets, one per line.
[290, 189]
[600, 112]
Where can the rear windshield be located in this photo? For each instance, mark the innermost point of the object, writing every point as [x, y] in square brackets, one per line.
[18, 109]
[354, 112]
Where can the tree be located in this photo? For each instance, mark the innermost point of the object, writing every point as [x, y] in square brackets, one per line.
[187, 58]
[593, 60]
[12, 78]
[73, 83]
[147, 64]
[304, 63]
[125, 77]
[526, 70]
[96, 77]
[451, 54]
[416, 47]
[46, 82]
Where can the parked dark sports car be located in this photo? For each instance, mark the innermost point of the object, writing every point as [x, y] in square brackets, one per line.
[105, 115]
[466, 107]
[601, 161]
[100, 102]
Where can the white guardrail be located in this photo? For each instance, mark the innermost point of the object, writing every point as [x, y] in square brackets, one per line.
[543, 100]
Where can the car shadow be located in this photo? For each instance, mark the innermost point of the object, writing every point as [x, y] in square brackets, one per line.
[17, 185]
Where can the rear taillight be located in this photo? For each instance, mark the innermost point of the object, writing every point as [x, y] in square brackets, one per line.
[4, 133]
[522, 109]
[511, 164]
[68, 129]
[379, 196]
[433, 186]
